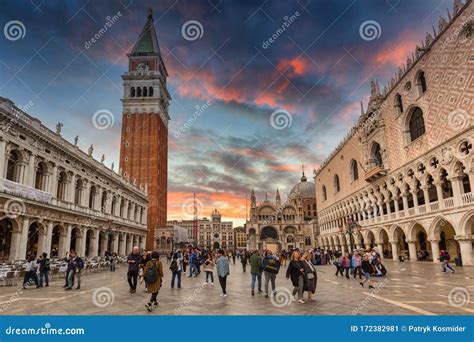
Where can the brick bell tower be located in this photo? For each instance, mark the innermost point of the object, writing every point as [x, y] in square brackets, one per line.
[144, 142]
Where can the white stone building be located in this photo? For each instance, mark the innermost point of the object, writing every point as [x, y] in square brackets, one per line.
[55, 197]
[402, 179]
[213, 233]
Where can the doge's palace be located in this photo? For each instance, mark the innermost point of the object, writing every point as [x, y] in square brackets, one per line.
[55, 197]
[402, 178]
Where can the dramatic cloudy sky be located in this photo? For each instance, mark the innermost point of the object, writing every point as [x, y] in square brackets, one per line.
[318, 70]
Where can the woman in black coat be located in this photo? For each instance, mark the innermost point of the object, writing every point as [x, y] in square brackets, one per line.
[296, 273]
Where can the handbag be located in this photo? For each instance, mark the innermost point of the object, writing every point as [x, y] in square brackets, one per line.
[310, 276]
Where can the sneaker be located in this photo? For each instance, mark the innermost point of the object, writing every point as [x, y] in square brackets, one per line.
[260, 291]
[78, 288]
[68, 288]
[148, 307]
[212, 284]
[301, 301]
[294, 299]
[253, 293]
[155, 304]
[266, 296]
[371, 287]
[361, 284]
[221, 295]
[132, 291]
[225, 295]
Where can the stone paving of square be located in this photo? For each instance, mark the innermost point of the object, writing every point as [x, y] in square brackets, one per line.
[409, 289]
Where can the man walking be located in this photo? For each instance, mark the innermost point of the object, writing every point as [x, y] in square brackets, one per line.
[243, 260]
[134, 260]
[176, 268]
[271, 267]
[256, 271]
[44, 266]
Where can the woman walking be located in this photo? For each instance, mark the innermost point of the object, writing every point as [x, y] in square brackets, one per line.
[295, 272]
[209, 268]
[367, 268]
[311, 276]
[153, 274]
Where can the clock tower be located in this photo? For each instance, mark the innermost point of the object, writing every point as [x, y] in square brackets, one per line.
[144, 141]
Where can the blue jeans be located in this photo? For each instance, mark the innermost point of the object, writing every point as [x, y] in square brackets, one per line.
[176, 274]
[209, 274]
[258, 277]
[44, 273]
[193, 269]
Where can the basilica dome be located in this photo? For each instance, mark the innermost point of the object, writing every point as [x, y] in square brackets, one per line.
[303, 189]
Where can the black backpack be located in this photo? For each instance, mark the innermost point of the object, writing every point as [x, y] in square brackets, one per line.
[174, 265]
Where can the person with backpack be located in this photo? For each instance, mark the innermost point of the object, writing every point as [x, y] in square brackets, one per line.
[134, 260]
[75, 266]
[44, 267]
[209, 268]
[256, 272]
[176, 268]
[222, 271]
[444, 258]
[153, 274]
[271, 267]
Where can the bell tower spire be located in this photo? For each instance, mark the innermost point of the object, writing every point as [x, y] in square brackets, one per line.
[144, 141]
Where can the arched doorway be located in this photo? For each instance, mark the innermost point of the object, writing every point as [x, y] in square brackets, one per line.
[370, 243]
[75, 239]
[6, 231]
[401, 244]
[423, 246]
[55, 241]
[89, 241]
[386, 246]
[33, 239]
[444, 232]
[269, 239]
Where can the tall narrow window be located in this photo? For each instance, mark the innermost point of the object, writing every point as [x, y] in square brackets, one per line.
[354, 170]
[421, 83]
[398, 104]
[416, 124]
[337, 185]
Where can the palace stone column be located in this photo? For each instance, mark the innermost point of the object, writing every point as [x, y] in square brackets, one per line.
[24, 239]
[435, 250]
[394, 245]
[465, 244]
[412, 250]
[3, 158]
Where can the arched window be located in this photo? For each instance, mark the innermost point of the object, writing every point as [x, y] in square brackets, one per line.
[354, 170]
[78, 192]
[92, 195]
[376, 155]
[323, 190]
[398, 104]
[416, 124]
[150, 91]
[337, 185]
[62, 184]
[139, 92]
[40, 177]
[13, 166]
[145, 92]
[103, 201]
[421, 82]
[132, 92]
[113, 205]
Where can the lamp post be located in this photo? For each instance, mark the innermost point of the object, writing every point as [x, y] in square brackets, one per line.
[351, 226]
